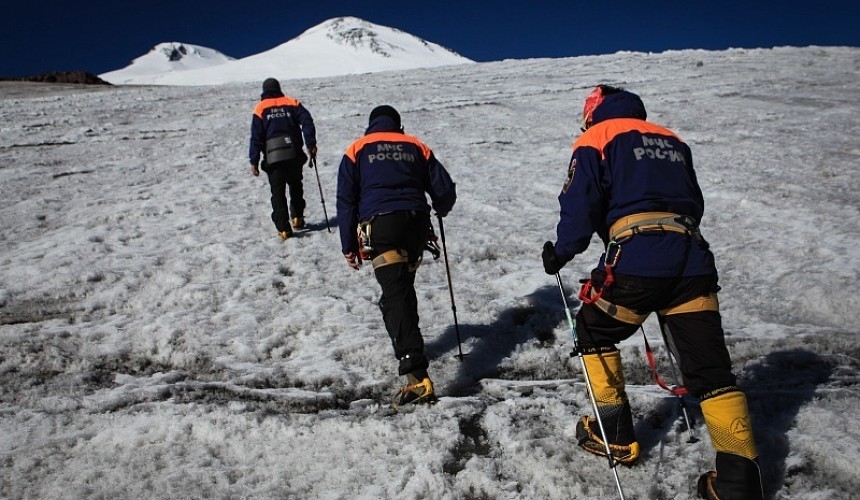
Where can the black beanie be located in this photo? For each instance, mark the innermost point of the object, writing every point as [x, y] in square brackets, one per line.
[385, 110]
[271, 85]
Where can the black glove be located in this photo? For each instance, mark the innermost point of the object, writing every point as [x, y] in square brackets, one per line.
[551, 263]
[312, 160]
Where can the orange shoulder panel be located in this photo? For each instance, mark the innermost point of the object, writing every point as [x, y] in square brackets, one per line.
[271, 103]
[355, 147]
[598, 136]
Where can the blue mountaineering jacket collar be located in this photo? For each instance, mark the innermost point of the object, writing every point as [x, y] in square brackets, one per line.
[270, 95]
[383, 124]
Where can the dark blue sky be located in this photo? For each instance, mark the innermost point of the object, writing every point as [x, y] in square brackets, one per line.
[99, 36]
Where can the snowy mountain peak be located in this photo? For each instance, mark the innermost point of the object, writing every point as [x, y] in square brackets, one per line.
[167, 58]
[174, 51]
[339, 46]
[183, 56]
[361, 36]
[366, 36]
[177, 51]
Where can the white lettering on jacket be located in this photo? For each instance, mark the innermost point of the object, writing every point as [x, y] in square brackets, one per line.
[391, 152]
[279, 112]
[658, 148]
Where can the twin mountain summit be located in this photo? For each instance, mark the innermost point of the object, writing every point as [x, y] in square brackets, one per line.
[339, 46]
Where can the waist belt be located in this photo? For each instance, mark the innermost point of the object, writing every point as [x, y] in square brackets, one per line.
[628, 226]
[625, 228]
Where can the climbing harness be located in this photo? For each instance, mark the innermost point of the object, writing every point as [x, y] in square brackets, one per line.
[621, 231]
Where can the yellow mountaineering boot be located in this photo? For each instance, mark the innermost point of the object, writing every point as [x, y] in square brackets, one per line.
[737, 475]
[419, 390]
[588, 437]
[607, 383]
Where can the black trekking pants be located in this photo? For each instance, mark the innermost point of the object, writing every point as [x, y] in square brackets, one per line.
[282, 175]
[703, 358]
[399, 305]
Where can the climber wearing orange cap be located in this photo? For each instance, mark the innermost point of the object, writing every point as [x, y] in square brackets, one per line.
[632, 183]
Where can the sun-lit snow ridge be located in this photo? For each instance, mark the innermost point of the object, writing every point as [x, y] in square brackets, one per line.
[340, 46]
[164, 58]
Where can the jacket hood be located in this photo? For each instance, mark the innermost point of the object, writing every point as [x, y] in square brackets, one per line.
[622, 104]
[383, 124]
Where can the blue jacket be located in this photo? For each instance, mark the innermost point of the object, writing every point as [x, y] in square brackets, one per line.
[388, 171]
[276, 116]
[623, 165]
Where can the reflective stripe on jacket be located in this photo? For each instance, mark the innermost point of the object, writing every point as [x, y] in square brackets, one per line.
[624, 165]
[388, 171]
[277, 115]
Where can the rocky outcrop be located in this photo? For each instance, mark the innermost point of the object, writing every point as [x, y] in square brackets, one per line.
[61, 77]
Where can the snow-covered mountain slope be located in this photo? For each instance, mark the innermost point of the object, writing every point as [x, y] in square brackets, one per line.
[158, 340]
[164, 59]
[340, 46]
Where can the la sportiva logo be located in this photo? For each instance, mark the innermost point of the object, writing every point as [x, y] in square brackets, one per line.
[740, 429]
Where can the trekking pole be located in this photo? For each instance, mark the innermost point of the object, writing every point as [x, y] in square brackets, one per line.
[671, 349]
[450, 289]
[578, 352]
[314, 163]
